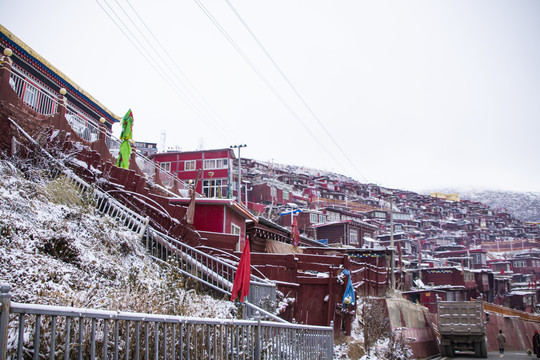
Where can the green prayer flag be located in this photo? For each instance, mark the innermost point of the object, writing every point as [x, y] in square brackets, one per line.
[126, 135]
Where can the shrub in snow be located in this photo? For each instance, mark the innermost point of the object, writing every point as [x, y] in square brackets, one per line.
[396, 347]
[374, 321]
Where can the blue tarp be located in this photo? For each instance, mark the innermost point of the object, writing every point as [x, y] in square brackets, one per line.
[348, 296]
[289, 213]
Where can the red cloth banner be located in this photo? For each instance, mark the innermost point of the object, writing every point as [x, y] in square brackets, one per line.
[243, 275]
[295, 233]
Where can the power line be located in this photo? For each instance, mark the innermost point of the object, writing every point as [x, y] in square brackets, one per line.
[262, 77]
[192, 104]
[182, 73]
[293, 87]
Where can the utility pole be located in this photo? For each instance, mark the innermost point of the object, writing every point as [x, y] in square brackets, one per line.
[239, 192]
[392, 275]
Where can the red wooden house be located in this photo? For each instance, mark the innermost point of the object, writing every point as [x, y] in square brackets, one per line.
[346, 232]
[220, 216]
[216, 177]
[268, 192]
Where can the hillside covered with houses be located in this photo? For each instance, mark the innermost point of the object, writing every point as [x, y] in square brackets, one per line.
[322, 245]
[447, 246]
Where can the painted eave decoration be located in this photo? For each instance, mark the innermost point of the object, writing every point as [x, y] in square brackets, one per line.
[26, 54]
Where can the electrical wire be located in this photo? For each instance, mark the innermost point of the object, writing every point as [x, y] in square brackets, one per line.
[263, 78]
[183, 74]
[278, 68]
[198, 110]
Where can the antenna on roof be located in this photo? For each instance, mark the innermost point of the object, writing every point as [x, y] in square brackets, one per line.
[162, 140]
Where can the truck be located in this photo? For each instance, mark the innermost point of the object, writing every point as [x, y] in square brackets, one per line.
[462, 327]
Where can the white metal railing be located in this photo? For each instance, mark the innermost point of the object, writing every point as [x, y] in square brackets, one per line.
[83, 124]
[211, 271]
[34, 93]
[41, 331]
[194, 263]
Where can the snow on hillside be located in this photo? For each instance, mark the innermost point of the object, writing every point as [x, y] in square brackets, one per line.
[56, 249]
[524, 206]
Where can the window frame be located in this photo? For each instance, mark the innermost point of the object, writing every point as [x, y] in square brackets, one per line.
[235, 228]
[188, 163]
[165, 166]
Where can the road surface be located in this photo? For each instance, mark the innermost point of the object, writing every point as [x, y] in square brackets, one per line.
[508, 355]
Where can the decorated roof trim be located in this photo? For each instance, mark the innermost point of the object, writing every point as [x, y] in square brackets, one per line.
[26, 53]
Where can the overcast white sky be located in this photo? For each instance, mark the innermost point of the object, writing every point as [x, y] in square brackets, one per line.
[410, 94]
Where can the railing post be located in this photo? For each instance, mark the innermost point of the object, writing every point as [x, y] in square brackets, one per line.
[331, 341]
[144, 226]
[5, 70]
[5, 302]
[258, 336]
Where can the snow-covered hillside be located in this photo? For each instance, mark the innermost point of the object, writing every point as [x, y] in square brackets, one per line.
[56, 249]
[524, 206]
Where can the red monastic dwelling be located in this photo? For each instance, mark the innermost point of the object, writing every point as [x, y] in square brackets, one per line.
[271, 192]
[39, 85]
[220, 216]
[346, 232]
[216, 177]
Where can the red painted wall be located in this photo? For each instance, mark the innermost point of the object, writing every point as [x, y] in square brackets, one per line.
[261, 194]
[178, 159]
[232, 217]
[442, 276]
[218, 218]
[209, 218]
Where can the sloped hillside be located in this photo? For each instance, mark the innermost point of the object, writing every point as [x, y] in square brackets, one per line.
[524, 206]
[56, 249]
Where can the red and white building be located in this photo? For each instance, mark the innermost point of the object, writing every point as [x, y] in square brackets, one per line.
[217, 169]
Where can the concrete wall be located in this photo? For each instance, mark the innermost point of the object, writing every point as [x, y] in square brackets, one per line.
[518, 332]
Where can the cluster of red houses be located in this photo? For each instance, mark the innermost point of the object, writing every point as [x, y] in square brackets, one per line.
[449, 249]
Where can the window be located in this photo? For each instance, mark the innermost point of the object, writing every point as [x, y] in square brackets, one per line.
[189, 165]
[285, 194]
[313, 218]
[165, 166]
[353, 237]
[216, 164]
[334, 217]
[218, 188]
[235, 230]
[273, 192]
[322, 218]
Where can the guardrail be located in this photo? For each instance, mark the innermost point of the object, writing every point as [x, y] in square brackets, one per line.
[504, 311]
[34, 93]
[194, 263]
[211, 271]
[82, 123]
[41, 331]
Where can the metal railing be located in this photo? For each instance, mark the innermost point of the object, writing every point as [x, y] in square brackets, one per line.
[212, 271]
[41, 331]
[83, 124]
[194, 263]
[33, 92]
